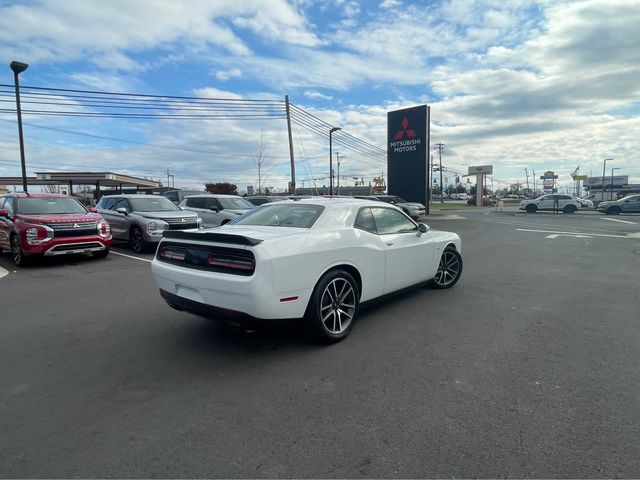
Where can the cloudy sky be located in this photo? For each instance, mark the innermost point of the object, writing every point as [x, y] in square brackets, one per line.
[548, 85]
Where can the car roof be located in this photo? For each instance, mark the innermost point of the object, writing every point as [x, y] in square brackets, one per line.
[132, 195]
[214, 195]
[35, 195]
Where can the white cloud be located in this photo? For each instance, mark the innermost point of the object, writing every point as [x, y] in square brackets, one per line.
[318, 95]
[389, 4]
[224, 75]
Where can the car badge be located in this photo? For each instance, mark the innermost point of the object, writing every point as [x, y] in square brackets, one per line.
[182, 220]
[75, 225]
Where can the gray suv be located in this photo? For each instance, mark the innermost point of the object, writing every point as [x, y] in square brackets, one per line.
[141, 219]
[628, 204]
[218, 209]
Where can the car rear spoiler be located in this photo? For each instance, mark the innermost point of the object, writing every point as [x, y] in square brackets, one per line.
[211, 237]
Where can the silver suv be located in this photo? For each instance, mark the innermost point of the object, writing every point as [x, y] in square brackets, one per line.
[218, 209]
[141, 219]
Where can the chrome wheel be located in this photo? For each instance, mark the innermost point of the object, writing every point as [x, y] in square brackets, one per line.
[449, 269]
[338, 305]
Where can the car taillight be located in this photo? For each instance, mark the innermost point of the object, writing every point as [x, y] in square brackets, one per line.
[37, 234]
[172, 253]
[104, 229]
[232, 262]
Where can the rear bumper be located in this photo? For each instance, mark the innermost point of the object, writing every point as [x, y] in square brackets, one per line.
[208, 311]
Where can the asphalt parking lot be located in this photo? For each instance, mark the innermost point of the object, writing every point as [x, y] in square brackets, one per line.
[527, 368]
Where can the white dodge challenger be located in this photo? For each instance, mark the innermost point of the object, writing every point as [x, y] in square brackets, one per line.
[315, 259]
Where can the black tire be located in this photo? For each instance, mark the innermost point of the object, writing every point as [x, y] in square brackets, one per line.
[570, 209]
[224, 222]
[613, 211]
[18, 256]
[532, 208]
[136, 240]
[336, 293]
[449, 270]
[101, 253]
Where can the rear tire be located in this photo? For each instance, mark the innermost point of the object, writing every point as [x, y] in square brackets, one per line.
[333, 307]
[136, 240]
[531, 209]
[570, 209]
[449, 270]
[101, 253]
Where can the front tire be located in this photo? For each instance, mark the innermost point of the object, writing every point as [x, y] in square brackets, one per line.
[531, 209]
[449, 269]
[16, 252]
[136, 239]
[570, 209]
[613, 211]
[333, 307]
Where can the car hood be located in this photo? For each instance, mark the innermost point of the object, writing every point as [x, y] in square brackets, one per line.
[237, 211]
[168, 214]
[411, 204]
[61, 217]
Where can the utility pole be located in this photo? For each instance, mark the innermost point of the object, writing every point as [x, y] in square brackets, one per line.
[168, 175]
[534, 181]
[526, 172]
[338, 158]
[293, 163]
[440, 147]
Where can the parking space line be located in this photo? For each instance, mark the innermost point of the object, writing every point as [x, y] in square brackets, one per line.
[621, 221]
[575, 233]
[3, 272]
[131, 256]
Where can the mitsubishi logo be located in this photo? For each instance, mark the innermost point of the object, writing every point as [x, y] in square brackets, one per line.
[182, 220]
[75, 225]
[405, 130]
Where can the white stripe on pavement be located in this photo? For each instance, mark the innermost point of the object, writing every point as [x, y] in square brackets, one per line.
[574, 233]
[3, 272]
[616, 220]
[131, 256]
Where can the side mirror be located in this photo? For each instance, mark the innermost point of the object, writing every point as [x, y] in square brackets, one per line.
[4, 213]
[122, 210]
[422, 228]
[93, 210]
[214, 209]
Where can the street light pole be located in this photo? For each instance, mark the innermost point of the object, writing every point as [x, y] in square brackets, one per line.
[18, 68]
[612, 170]
[334, 129]
[604, 171]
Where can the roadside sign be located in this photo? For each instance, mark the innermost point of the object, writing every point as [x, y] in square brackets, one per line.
[481, 169]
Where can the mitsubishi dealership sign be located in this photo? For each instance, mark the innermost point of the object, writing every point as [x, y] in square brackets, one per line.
[407, 153]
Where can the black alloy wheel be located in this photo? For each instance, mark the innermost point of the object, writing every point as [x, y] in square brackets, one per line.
[136, 239]
[449, 269]
[570, 209]
[614, 210]
[531, 208]
[16, 252]
[333, 307]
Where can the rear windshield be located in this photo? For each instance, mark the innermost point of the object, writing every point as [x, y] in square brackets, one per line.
[281, 215]
[37, 206]
[235, 203]
[152, 204]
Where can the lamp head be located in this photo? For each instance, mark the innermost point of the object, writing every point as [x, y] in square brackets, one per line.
[335, 129]
[18, 67]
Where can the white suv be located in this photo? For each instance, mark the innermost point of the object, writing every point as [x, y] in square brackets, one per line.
[553, 202]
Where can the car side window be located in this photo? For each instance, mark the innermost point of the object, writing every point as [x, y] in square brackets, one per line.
[1, 203]
[365, 221]
[107, 204]
[8, 206]
[173, 196]
[390, 221]
[123, 203]
[210, 202]
[195, 202]
[564, 197]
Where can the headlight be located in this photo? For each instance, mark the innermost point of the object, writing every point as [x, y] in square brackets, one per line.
[104, 229]
[154, 227]
[38, 234]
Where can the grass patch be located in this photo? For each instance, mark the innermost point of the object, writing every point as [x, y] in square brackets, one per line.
[449, 206]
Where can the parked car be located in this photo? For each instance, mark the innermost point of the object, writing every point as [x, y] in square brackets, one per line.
[316, 259]
[628, 204]
[142, 219]
[584, 202]
[176, 196]
[261, 200]
[50, 224]
[553, 202]
[413, 209]
[216, 210]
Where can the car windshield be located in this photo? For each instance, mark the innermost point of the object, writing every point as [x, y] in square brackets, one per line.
[153, 204]
[282, 215]
[235, 203]
[53, 205]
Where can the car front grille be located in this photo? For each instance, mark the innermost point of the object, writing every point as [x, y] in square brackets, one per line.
[182, 226]
[179, 220]
[74, 229]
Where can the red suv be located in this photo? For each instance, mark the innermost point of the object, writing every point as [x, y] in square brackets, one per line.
[49, 224]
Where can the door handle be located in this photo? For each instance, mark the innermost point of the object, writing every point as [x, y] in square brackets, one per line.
[388, 243]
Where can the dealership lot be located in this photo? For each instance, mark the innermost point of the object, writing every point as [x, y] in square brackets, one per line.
[528, 367]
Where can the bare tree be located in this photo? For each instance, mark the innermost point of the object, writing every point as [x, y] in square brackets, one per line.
[51, 189]
[262, 155]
